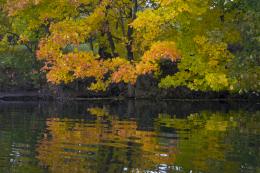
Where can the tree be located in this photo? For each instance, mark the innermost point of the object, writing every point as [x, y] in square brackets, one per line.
[115, 41]
[102, 63]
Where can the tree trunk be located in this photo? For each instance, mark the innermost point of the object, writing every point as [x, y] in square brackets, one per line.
[130, 31]
[112, 44]
[131, 91]
[129, 44]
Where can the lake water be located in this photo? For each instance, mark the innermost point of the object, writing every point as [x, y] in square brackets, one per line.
[130, 136]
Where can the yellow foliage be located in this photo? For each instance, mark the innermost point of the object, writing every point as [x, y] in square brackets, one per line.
[14, 6]
[98, 112]
[125, 73]
[158, 51]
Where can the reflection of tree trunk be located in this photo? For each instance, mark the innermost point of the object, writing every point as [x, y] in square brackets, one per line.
[131, 108]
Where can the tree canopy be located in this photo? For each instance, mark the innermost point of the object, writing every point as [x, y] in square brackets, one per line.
[214, 43]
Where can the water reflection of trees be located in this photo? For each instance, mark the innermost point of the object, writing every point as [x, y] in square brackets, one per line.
[207, 141]
[129, 135]
[217, 142]
[104, 145]
[19, 130]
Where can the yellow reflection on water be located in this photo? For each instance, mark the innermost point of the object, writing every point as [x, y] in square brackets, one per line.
[81, 147]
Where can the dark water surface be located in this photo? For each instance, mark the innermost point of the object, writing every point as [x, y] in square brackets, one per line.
[130, 136]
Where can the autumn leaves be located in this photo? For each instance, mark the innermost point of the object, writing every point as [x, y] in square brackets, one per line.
[65, 67]
[116, 41]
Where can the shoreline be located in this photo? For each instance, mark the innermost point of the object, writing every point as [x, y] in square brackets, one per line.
[37, 96]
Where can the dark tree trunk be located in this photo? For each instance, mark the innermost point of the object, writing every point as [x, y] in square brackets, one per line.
[130, 31]
[130, 54]
[131, 91]
[91, 43]
[112, 44]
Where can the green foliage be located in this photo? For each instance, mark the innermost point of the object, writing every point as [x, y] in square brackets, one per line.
[19, 69]
[245, 67]
[217, 51]
[206, 70]
[217, 41]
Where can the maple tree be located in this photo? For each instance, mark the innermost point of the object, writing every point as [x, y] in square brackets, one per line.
[119, 66]
[116, 41]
